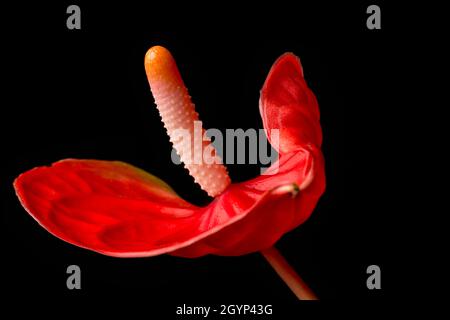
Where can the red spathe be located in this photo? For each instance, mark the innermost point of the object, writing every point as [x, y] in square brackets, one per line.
[116, 209]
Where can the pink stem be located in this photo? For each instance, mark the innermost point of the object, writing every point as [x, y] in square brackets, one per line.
[288, 274]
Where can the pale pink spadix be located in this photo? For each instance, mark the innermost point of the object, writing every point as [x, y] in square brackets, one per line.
[182, 122]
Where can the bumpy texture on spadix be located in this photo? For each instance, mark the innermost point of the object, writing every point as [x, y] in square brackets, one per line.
[178, 115]
[119, 210]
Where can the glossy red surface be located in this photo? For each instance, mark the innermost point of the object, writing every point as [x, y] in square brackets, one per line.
[116, 209]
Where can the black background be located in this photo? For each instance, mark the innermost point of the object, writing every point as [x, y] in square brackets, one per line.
[84, 94]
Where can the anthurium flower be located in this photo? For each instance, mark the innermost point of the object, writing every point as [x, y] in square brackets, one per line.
[119, 210]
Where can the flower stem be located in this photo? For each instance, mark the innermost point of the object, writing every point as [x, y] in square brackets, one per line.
[288, 274]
